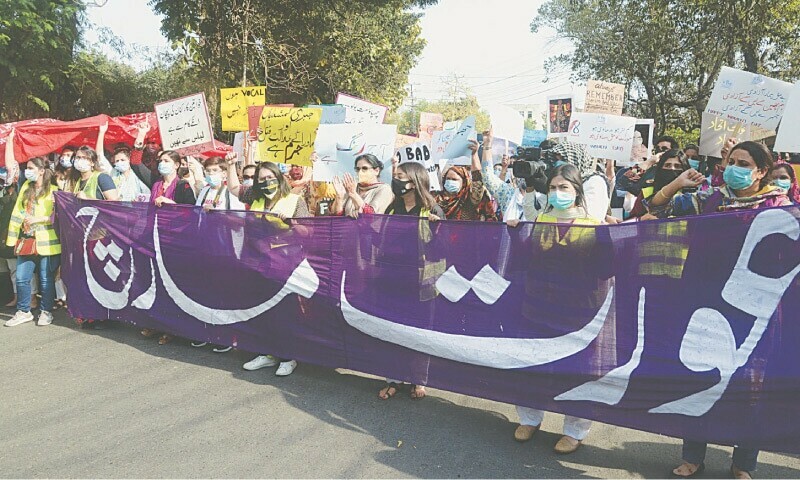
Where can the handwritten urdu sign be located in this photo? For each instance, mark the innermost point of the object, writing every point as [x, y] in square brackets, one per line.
[338, 146]
[604, 97]
[184, 125]
[360, 110]
[429, 123]
[605, 136]
[331, 114]
[788, 139]
[286, 135]
[234, 103]
[749, 98]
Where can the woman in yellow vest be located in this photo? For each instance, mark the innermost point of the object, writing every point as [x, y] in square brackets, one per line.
[36, 244]
[553, 243]
[270, 193]
[92, 184]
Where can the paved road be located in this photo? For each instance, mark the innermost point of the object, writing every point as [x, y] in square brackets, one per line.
[114, 404]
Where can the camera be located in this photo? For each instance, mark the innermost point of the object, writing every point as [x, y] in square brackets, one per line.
[534, 164]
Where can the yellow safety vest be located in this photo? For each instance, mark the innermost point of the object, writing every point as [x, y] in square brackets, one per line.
[285, 206]
[90, 189]
[46, 239]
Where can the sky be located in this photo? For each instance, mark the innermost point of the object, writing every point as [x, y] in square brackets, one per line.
[491, 50]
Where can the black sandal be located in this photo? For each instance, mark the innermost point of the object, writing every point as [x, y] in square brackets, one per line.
[389, 385]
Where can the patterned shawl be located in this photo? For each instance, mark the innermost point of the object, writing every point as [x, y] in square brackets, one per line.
[472, 202]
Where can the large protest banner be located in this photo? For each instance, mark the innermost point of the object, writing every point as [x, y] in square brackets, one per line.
[184, 124]
[788, 139]
[604, 97]
[360, 110]
[420, 152]
[749, 98]
[605, 136]
[559, 114]
[286, 135]
[430, 123]
[338, 146]
[587, 321]
[234, 103]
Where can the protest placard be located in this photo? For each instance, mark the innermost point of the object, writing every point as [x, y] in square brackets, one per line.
[605, 136]
[559, 111]
[338, 146]
[184, 124]
[429, 123]
[359, 110]
[286, 135]
[403, 140]
[507, 123]
[715, 131]
[451, 125]
[331, 114]
[604, 97]
[749, 98]
[254, 116]
[234, 103]
[457, 149]
[533, 138]
[788, 139]
[642, 142]
[420, 152]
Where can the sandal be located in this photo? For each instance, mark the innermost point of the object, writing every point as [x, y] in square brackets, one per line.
[148, 332]
[165, 339]
[59, 304]
[700, 469]
[389, 391]
[417, 392]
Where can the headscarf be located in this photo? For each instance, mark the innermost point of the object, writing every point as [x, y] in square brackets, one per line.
[794, 190]
[460, 206]
[576, 155]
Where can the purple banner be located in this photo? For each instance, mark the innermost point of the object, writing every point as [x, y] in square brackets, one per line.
[687, 328]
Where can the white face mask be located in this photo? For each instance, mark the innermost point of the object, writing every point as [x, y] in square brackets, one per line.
[31, 175]
[122, 166]
[83, 165]
[248, 182]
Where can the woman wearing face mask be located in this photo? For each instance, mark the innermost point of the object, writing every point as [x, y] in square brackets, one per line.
[747, 186]
[170, 189]
[31, 233]
[368, 195]
[464, 197]
[595, 185]
[782, 176]
[669, 167]
[91, 184]
[270, 194]
[215, 195]
[556, 241]
[130, 188]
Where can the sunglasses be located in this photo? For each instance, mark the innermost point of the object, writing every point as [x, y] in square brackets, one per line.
[364, 169]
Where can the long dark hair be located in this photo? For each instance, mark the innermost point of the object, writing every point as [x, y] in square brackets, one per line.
[418, 176]
[31, 194]
[761, 155]
[570, 173]
[283, 186]
[660, 181]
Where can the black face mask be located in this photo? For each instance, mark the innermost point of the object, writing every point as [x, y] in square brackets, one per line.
[267, 187]
[664, 178]
[399, 187]
[183, 171]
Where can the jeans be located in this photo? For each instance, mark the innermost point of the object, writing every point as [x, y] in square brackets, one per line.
[743, 458]
[47, 269]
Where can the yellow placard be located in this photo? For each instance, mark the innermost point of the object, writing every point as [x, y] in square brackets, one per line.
[233, 106]
[287, 135]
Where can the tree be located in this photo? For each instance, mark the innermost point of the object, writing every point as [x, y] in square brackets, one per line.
[452, 110]
[37, 41]
[669, 53]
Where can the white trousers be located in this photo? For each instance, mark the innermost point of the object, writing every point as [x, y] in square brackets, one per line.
[575, 427]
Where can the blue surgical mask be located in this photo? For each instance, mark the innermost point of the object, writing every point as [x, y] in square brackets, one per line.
[284, 168]
[561, 200]
[166, 169]
[738, 178]
[451, 186]
[558, 163]
[782, 183]
[122, 166]
[214, 180]
[30, 175]
[694, 163]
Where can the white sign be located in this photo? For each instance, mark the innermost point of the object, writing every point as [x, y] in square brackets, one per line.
[605, 136]
[457, 149]
[749, 98]
[507, 123]
[184, 125]
[420, 152]
[338, 146]
[788, 139]
[359, 110]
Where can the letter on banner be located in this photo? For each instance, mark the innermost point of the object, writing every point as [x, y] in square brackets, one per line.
[604, 97]
[234, 103]
[605, 136]
[361, 111]
[286, 135]
[184, 125]
[749, 98]
[420, 152]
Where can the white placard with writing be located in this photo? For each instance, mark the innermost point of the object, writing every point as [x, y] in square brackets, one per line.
[338, 145]
[605, 136]
[184, 125]
[358, 110]
[749, 98]
[420, 152]
[788, 139]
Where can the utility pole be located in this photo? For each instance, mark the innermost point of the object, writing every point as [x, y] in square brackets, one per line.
[414, 116]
